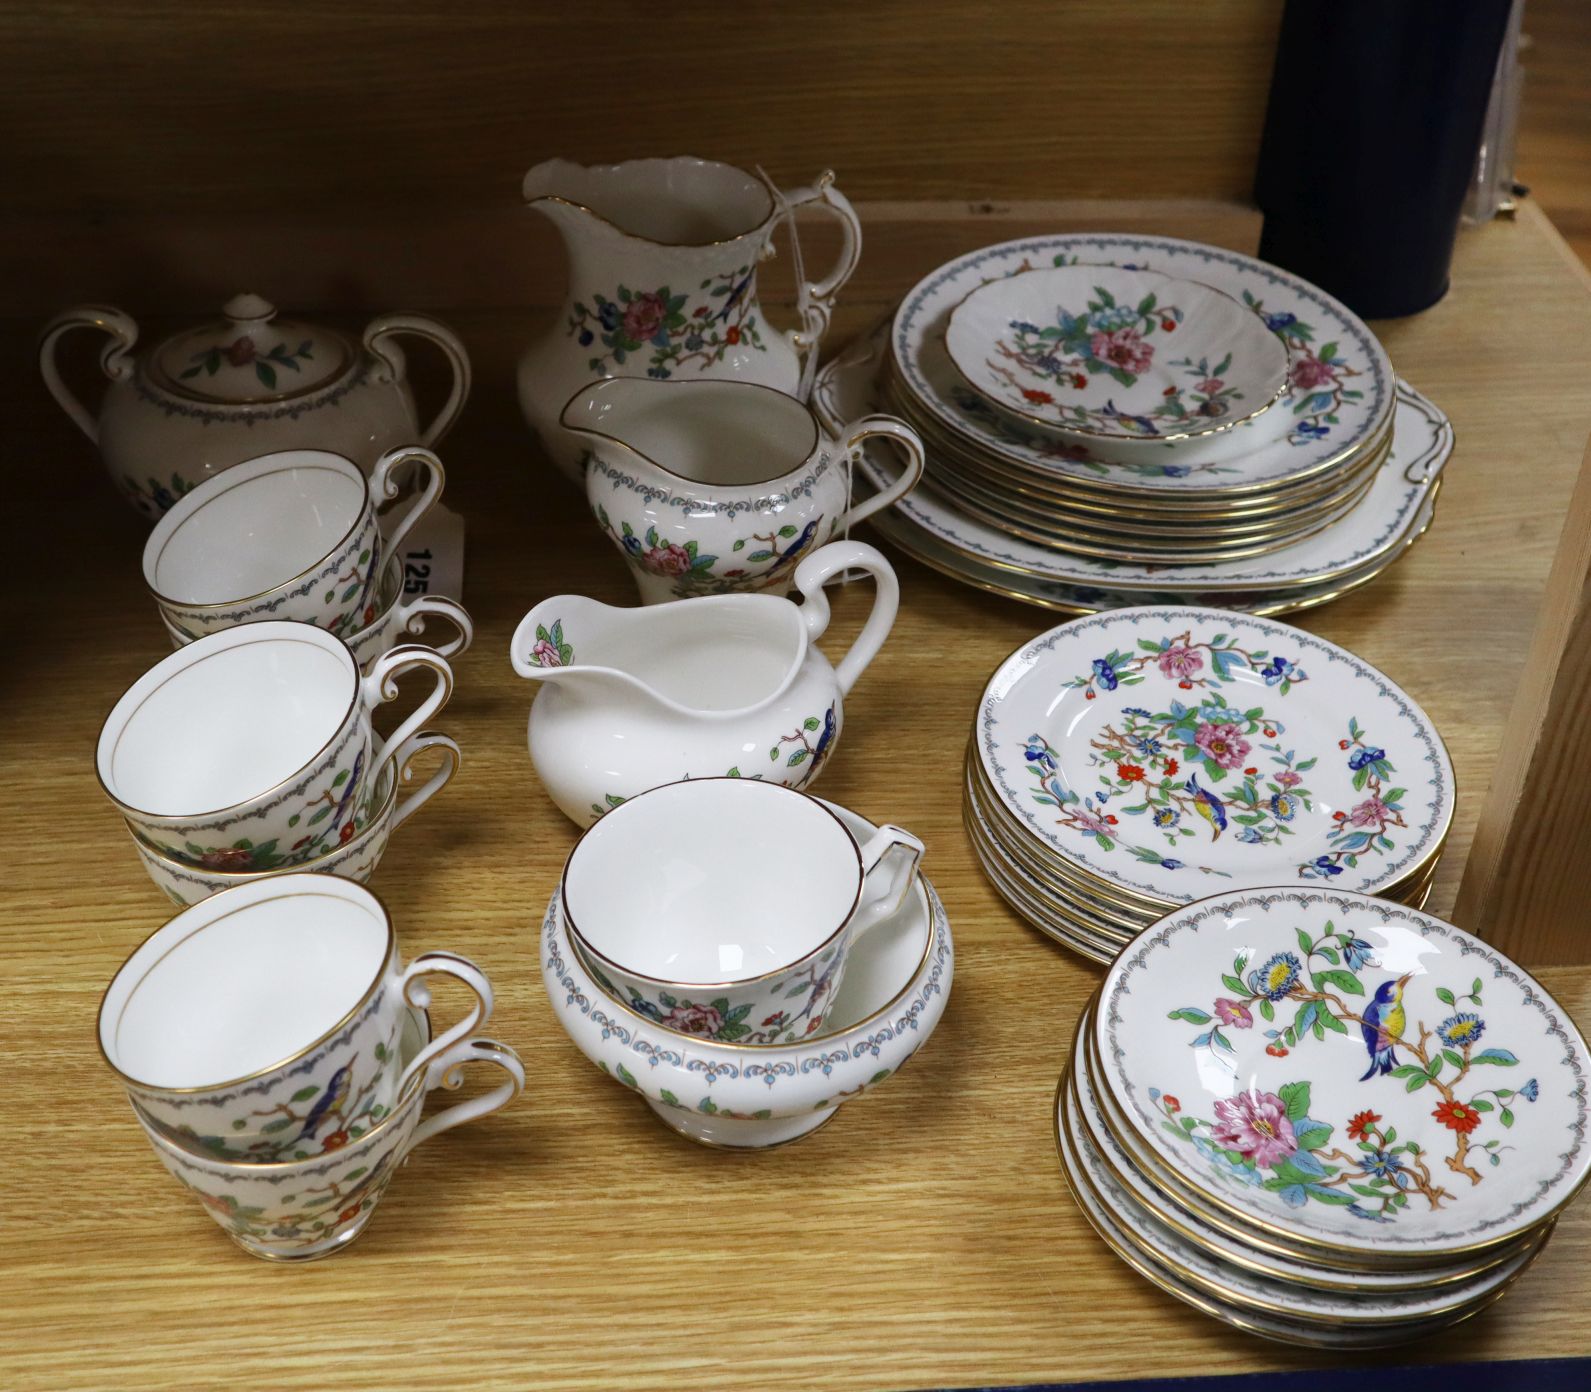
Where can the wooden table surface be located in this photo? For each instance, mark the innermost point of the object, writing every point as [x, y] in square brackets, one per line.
[924, 1239]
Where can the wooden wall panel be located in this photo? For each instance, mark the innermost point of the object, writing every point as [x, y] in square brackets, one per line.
[305, 107]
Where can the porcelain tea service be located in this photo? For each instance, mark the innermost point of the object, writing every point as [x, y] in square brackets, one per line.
[214, 395]
[714, 487]
[356, 850]
[721, 685]
[264, 1023]
[662, 281]
[701, 945]
[250, 748]
[293, 535]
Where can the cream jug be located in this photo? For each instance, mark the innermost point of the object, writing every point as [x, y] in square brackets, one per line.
[709, 487]
[662, 257]
[723, 685]
[216, 394]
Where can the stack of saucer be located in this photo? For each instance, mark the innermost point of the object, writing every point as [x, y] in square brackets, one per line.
[1127, 763]
[1323, 1118]
[1099, 432]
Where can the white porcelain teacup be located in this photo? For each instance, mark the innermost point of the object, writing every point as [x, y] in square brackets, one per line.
[725, 907]
[292, 535]
[355, 855]
[249, 749]
[303, 1209]
[264, 1023]
[388, 616]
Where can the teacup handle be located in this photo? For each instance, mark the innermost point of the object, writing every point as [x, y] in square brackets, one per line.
[815, 298]
[447, 1071]
[895, 853]
[391, 358]
[830, 560]
[451, 758]
[384, 487]
[413, 621]
[115, 358]
[416, 992]
[857, 434]
[382, 685]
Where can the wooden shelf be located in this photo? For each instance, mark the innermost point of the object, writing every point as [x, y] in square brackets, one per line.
[926, 1238]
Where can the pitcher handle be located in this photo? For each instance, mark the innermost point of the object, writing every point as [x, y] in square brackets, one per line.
[383, 486]
[857, 434]
[451, 758]
[391, 359]
[828, 561]
[447, 1071]
[815, 298]
[115, 358]
[412, 618]
[382, 685]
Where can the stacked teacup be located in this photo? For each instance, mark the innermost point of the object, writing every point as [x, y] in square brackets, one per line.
[250, 750]
[746, 956]
[278, 1054]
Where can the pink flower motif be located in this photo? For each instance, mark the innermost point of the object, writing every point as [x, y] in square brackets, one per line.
[545, 654]
[1180, 663]
[1371, 812]
[1125, 349]
[1221, 745]
[1091, 821]
[1210, 386]
[667, 559]
[700, 1020]
[1255, 1125]
[644, 317]
[1309, 372]
[1288, 779]
[1234, 1013]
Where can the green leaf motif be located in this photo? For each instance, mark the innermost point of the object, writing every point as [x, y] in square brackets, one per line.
[305, 1093]
[1295, 1097]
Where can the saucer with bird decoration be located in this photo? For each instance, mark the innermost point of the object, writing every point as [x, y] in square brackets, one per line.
[1359, 1080]
[1169, 753]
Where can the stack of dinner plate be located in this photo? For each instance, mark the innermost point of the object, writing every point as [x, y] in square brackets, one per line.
[1323, 1118]
[1126, 763]
[1115, 419]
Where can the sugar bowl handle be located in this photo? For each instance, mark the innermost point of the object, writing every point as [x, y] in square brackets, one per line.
[856, 435]
[828, 561]
[115, 358]
[390, 356]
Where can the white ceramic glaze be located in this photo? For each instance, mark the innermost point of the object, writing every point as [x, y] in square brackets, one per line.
[663, 257]
[292, 535]
[250, 748]
[750, 1096]
[1339, 403]
[357, 853]
[1412, 1093]
[215, 395]
[1107, 352]
[263, 1023]
[1395, 510]
[701, 945]
[306, 1209]
[716, 487]
[1170, 752]
[724, 684]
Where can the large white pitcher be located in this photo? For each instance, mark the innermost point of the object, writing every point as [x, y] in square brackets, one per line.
[663, 257]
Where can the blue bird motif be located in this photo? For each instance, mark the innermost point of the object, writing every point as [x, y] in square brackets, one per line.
[1208, 806]
[825, 738]
[332, 1099]
[1384, 1020]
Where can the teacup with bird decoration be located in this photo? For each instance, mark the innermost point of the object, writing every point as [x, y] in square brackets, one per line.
[717, 487]
[702, 939]
[250, 749]
[263, 1023]
[303, 1209]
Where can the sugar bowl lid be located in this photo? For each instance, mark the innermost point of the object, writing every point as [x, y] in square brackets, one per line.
[250, 356]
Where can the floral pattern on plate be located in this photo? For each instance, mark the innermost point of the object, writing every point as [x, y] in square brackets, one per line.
[1346, 1071]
